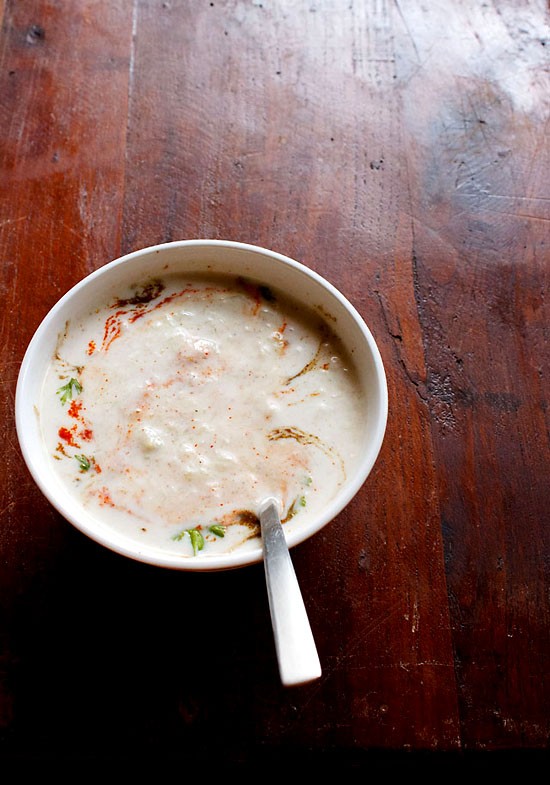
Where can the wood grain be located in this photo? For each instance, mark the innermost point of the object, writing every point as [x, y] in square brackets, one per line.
[399, 150]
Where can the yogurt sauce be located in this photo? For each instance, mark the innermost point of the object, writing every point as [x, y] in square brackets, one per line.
[175, 409]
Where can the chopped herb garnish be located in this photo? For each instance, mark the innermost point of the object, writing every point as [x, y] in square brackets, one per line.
[83, 462]
[217, 529]
[67, 390]
[197, 540]
[180, 535]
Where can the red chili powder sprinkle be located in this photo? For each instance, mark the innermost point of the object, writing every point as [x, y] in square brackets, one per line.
[91, 347]
[138, 314]
[67, 436]
[105, 498]
[86, 434]
[112, 329]
[74, 409]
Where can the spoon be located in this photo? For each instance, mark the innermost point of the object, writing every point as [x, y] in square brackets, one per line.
[296, 651]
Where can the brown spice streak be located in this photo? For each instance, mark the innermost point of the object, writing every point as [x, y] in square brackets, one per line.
[309, 366]
[242, 518]
[150, 291]
[290, 432]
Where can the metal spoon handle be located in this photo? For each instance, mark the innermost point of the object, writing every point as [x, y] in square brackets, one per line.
[296, 651]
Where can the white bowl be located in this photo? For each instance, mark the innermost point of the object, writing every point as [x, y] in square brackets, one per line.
[195, 256]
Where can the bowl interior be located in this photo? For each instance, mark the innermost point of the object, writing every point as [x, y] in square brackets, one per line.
[191, 257]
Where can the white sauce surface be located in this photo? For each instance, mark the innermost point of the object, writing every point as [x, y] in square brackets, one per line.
[188, 401]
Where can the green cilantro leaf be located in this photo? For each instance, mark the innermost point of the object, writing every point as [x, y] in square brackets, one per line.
[180, 535]
[217, 529]
[197, 540]
[83, 462]
[67, 390]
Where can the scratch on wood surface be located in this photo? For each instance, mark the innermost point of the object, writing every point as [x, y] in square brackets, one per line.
[83, 203]
[518, 197]
[133, 43]
[7, 508]
[535, 160]
[415, 619]
[71, 229]
[408, 31]
[10, 221]
[407, 666]
[518, 215]
[363, 634]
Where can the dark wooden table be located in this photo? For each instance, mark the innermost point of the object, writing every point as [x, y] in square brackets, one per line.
[401, 150]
